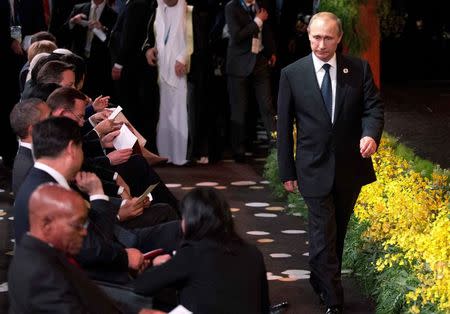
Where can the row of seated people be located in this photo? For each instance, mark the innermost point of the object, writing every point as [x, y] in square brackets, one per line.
[121, 227]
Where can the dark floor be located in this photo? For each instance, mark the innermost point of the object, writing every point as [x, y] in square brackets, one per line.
[418, 114]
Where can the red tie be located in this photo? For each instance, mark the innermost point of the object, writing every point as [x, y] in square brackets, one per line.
[72, 261]
[46, 7]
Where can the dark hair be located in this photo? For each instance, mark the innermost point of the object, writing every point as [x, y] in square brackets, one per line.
[51, 136]
[42, 35]
[206, 214]
[51, 72]
[24, 114]
[42, 91]
[78, 63]
[40, 63]
[64, 97]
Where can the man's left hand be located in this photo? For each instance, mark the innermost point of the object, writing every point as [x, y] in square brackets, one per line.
[367, 146]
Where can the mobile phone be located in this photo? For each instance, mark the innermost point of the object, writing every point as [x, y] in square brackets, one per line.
[152, 254]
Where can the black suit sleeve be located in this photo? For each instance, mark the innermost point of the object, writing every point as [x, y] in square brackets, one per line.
[57, 296]
[239, 26]
[373, 112]
[172, 273]
[285, 139]
[135, 23]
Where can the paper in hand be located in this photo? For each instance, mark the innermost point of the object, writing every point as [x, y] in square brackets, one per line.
[146, 192]
[114, 114]
[84, 23]
[125, 139]
[180, 310]
[99, 33]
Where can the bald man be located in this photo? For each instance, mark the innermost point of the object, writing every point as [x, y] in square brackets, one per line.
[42, 276]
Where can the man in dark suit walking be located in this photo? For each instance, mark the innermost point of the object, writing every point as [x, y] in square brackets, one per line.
[339, 120]
[251, 50]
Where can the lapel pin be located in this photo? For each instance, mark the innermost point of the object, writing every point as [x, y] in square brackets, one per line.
[345, 70]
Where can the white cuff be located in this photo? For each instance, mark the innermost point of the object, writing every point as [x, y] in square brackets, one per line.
[91, 121]
[258, 22]
[120, 190]
[118, 66]
[115, 176]
[98, 197]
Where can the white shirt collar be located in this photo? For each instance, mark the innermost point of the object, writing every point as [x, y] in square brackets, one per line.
[26, 145]
[319, 63]
[100, 7]
[59, 178]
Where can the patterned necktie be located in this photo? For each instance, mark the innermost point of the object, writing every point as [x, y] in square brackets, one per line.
[90, 34]
[326, 90]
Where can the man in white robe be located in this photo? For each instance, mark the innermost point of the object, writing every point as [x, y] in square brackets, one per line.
[171, 55]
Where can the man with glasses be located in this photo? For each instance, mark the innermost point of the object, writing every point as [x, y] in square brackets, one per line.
[43, 276]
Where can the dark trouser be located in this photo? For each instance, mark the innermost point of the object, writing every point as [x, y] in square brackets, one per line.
[239, 89]
[166, 236]
[154, 215]
[328, 219]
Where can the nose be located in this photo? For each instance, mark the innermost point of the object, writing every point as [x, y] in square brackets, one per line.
[322, 43]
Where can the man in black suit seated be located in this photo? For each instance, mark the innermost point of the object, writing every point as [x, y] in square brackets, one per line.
[43, 276]
[109, 251]
[22, 118]
[133, 168]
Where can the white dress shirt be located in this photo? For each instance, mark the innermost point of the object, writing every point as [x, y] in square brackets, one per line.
[320, 73]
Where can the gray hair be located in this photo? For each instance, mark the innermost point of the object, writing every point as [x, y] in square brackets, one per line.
[24, 114]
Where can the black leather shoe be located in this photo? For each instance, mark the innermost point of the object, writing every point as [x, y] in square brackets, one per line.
[333, 310]
[279, 307]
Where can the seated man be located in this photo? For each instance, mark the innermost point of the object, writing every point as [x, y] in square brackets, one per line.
[133, 168]
[42, 276]
[22, 118]
[109, 252]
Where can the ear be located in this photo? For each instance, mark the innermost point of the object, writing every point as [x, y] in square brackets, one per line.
[71, 148]
[58, 112]
[46, 225]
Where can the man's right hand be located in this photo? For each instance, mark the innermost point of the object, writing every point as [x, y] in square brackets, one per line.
[89, 183]
[152, 56]
[135, 258]
[131, 209]
[262, 14]
[119, 156]
[77, 18]
[290, 186]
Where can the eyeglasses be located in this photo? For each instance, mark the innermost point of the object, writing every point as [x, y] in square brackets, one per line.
[77, 116]
[80, 226]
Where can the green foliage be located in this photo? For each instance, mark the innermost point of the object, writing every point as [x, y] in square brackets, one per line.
[355, 38]
[389, 286]
[272, 175]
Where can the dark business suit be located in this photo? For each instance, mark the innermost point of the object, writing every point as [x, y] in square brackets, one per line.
[135, 93]
[211, 280]
[103, 254]
[23, 162]
[328, 165]
[31, 15]
[10, 63]
[41, 279]
[98, 63]
[245, 68]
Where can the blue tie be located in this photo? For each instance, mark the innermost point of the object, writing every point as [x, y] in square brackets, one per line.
[327, 92]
